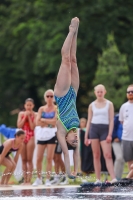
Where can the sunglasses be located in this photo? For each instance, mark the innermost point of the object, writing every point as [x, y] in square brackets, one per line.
[49, 96]
[128, 92]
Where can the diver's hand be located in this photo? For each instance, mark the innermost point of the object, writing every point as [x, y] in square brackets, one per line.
[71, 176]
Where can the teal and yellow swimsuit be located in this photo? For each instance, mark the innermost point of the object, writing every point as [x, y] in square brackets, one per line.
[67, 112]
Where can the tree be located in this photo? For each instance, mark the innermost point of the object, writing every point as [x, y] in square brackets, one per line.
[113, 72]
[31, 37]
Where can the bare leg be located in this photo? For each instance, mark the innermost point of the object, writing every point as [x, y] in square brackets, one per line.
[5, 176]
[129, 164]
[62, 166]
[24, 162]
[50, 156]
[30, 151]
[61, 135]
[9, 167]
[96, 157]
[130, 174]
[40, 152]
[63, 81]
[56, 163]
[59, 163]
[74, 67]
[106, 147]
[11, 172]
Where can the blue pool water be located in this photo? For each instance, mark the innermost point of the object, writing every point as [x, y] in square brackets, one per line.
[108, 193]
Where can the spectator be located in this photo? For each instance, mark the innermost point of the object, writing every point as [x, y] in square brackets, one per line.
[45, 133]
[9, 146]
[99, 128]
[9, 132]
[126, 118]
[26, 121]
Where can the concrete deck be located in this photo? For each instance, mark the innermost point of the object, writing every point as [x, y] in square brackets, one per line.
[30, 187]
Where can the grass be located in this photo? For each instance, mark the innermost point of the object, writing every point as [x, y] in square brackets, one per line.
[77, 181]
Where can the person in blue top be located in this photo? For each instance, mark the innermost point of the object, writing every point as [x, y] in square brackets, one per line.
[45, 134]
[65, 92]
[8, 132]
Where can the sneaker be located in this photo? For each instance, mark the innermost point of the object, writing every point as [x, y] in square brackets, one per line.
[47, 182]
[84, 181]
[113, 181]
[55, 181]
[97, 182]
[64, 181]
[21, 180]
[37, 182]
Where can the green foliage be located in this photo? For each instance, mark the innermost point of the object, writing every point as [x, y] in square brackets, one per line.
[113, 72]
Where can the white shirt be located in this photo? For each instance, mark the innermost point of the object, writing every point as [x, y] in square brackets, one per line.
[126, 116]
[100, 115]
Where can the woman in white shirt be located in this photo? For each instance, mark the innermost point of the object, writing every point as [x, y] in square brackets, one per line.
[99, 131]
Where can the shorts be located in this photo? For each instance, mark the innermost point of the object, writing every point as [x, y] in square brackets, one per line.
[51, 141]
[58, 149]
[98, 131]
[127, 148]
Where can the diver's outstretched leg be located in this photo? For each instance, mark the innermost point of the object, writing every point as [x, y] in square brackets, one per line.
[74, 67]
[63, 81]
